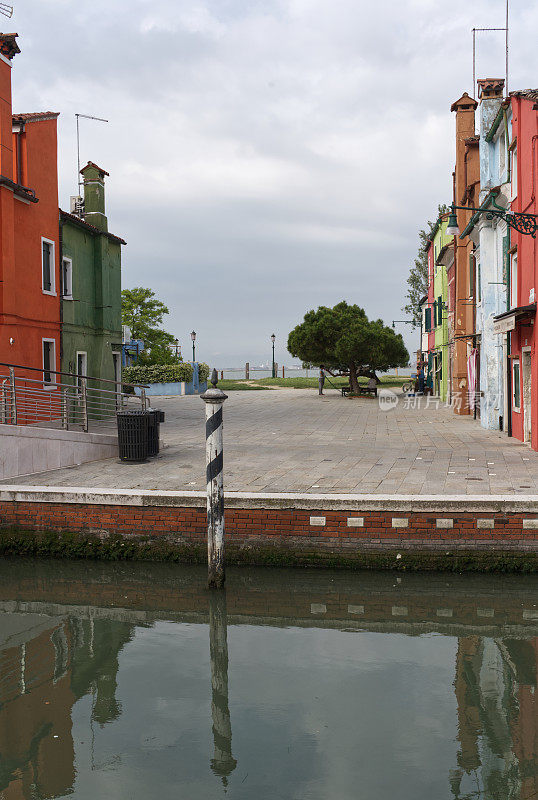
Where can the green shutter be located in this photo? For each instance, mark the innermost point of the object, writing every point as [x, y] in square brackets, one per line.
[428, 320]
[439, 310]
[479, 283]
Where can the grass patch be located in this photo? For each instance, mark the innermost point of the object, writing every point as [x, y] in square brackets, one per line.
[239, 386]
[312, 383]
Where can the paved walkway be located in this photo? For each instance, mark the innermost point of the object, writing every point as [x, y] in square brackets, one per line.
[295, 441]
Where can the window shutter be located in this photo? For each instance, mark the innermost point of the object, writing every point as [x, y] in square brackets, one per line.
[439, 310]
[428, 320]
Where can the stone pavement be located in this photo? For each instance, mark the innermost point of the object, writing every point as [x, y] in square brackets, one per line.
[295, 441]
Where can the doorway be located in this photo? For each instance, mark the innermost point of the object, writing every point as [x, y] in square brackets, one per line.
[526, 392]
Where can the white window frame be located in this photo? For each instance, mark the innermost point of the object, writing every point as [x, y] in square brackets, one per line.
[67, 289]
[513, 283]
[514, 362]
[513, 171]
[52, 383]
[117, 354]
[51, 291]
[77, 373]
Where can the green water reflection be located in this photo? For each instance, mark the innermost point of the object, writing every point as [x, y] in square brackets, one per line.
[132, 681]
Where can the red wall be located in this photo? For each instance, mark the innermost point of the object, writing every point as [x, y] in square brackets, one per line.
[27, 315]
[431, 335]
[525, 130]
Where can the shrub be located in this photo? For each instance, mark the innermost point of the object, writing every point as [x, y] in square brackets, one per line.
[203, 372]
[158, 373]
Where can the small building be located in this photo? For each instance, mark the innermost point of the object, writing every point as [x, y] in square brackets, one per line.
[516, 127]
[91, 286]
[491, 237]
[29, 246]
[466, 189]
[443, 257]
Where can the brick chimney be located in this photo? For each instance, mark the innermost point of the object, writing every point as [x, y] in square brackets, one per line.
[8, 49]
[465, 109]
[490, 87]
[94, 195]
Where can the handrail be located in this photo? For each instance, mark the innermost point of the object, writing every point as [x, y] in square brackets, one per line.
[72, 375]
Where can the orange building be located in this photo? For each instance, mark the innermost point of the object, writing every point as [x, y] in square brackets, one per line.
[29, 231]
[466, 190]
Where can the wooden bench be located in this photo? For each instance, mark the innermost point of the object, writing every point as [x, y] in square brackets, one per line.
[363, 389]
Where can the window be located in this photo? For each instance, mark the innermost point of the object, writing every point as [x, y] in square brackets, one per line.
[513, 172]
[513, 281]
[116, 360]
[472, 275]
[439, 310]
[428, 320]
[516, 385]
[478, 281]
[48, 285]
[67, 278]
[49, 362]
[82, 368]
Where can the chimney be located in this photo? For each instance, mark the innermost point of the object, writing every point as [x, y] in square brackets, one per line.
[8, 49]
[489, 88]
[465, 109]
[94, 195]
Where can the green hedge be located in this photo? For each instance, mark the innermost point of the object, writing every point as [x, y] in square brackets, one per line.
[203, 372]
[163, 373]
[158, 373]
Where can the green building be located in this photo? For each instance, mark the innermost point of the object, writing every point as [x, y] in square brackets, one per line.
[91, 287]
[442, 250]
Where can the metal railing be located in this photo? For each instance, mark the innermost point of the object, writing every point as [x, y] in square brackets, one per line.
[53, 399]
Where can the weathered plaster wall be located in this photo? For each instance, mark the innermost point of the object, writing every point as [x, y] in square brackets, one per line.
[491, 234]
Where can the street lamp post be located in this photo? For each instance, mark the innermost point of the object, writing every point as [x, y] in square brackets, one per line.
[193, 337]
[273, 337]
[523, 223]
[177, 346]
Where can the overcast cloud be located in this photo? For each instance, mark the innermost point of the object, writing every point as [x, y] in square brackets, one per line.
[264, 157]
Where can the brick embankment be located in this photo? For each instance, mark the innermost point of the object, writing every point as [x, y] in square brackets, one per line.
[276, 528]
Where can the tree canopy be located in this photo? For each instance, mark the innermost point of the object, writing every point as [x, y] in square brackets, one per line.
[344, 340]
[144, 313]
[417, 281]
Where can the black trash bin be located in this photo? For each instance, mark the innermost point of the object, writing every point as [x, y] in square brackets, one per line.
[154, 431]
[133, 435]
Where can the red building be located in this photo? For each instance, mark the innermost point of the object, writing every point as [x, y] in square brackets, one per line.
[522, 269]
[29, 232]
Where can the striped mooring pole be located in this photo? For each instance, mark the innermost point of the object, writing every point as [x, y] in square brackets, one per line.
[213, 399]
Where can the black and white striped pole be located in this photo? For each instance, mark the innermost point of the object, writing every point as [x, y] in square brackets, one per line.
[213, 399]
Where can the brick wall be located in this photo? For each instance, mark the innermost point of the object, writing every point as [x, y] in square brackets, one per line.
[333, 531]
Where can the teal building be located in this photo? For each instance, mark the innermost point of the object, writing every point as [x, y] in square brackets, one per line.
[91, 344]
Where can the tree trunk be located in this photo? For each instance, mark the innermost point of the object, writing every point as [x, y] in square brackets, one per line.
[353, 382]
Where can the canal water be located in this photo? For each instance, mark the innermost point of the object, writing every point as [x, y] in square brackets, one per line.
[132, 681]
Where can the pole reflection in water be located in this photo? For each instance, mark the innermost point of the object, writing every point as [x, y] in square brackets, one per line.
[222, 763]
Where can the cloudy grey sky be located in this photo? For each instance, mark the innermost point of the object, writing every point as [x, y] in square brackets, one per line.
[268, 156]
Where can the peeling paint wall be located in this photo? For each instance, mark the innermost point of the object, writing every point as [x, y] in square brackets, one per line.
[490, 289]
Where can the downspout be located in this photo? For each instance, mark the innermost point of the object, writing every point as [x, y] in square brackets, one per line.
[507, 145]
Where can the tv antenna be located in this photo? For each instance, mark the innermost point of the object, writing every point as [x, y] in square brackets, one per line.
[6, 10]
[83, 116]
[505, 29]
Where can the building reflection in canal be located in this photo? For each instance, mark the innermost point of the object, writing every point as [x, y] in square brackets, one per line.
[55, 653]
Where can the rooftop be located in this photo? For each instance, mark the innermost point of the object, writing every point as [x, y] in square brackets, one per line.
[35, 116]
[83, 224]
